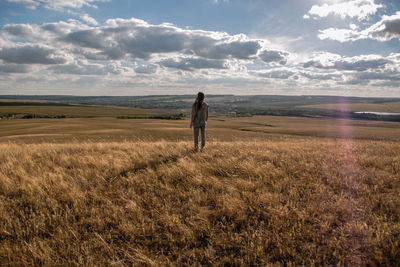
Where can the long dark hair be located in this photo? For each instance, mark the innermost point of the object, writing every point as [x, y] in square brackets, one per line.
[199, 100]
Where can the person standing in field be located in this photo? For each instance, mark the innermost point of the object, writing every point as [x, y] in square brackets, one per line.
[199, 120]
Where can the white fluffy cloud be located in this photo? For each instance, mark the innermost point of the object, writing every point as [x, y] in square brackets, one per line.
[89, 19]
[136, 39]
[360, 9]
[359, 63]
[59, 5]
[384, 30]
[341, 35]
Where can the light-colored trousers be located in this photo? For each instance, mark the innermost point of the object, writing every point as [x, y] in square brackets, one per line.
[196, 136]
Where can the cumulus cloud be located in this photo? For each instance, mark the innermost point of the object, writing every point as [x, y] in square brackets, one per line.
[365, 70]
[359, 63]
[61, 28]
[120, 38]
[190, 64]
[269, 56]
[277, 74]
[93, 38]
[146, 69]
[141, 40]
[341, 35]
[384, 30]
[45, 32]
[30, 4]
[320, 76]
[388, 76]
[375, 78]
[244, 49]
[84, 68]
[25, 31]
[360, 9]
[89, 19]
[69, 4]
[31, 54]
[59, 5]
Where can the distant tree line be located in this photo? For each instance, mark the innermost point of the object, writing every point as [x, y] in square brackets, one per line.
[31, 116]
[160, 117]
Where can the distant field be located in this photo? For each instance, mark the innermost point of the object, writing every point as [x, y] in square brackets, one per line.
[80, 111]
[382, 107]
[218, 129]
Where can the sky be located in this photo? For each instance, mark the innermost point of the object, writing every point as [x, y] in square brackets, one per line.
[242, 47]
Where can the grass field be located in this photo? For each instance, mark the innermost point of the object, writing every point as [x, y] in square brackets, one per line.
[267, 191]
[296, 201]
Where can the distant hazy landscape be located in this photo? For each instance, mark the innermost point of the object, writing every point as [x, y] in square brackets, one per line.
[179, 106]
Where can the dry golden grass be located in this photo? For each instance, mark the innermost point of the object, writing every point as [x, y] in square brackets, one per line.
[289, 202]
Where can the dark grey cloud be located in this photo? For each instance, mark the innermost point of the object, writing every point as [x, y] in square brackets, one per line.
[190, 64]
[236, 49]
[31, 54]
[270, 56]
[112, 53]
[14, 68]
[22, 30]
[61, 28]
[146, 69]
[44, 32]
[87, 38]
[387, 29]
